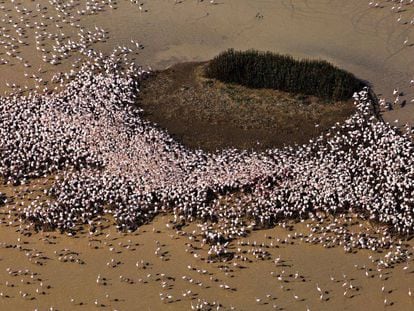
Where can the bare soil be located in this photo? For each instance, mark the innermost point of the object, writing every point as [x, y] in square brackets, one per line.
[205, 113]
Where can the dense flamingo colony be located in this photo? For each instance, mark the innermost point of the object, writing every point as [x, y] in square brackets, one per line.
[112, 161]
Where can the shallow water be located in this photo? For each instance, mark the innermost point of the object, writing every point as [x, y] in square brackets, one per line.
[71, 266]
[368, 42]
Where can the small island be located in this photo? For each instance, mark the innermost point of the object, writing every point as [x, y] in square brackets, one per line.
[248, 100]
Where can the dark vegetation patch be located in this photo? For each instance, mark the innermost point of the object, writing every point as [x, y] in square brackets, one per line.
[256, 69]
[208, 114]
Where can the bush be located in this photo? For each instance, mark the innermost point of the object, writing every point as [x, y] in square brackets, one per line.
[282, 72]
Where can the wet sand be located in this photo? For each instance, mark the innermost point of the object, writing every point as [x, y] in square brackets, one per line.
[363, 40]
[161, 268]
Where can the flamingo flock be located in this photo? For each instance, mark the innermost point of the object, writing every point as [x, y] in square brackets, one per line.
[108, 160]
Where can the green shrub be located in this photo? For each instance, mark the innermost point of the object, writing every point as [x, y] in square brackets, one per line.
[282, 72]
